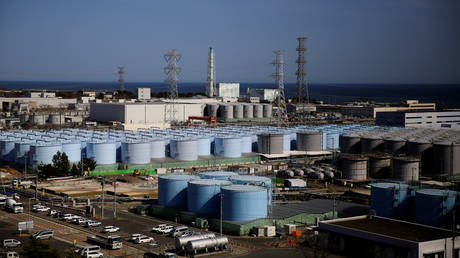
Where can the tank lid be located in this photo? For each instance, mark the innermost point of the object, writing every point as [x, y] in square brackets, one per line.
[178, 177]
[250, 178]
[437, 192]
[218, 173]
[407, 158]
[209, 182]
[308, 132]
[389, 185]
[243, 188]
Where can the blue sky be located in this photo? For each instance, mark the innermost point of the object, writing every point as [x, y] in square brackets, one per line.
[356, 41]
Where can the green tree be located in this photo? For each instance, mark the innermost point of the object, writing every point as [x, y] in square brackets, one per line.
[40, 249]
[87, 163]
[61, 163]
[47, 170]
[74, 171]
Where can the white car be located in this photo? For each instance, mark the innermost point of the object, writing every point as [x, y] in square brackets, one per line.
[110, 229]
[79, 221]
[68, 217]
[43, 209]
[143, 239]
[158, 227]
[135, 236]
[92, 223]
[166, 230]
[11, 243]
[93, 254]
[52, 212]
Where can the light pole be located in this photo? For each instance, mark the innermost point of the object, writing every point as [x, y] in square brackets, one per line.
[29, 205]
[115, 198]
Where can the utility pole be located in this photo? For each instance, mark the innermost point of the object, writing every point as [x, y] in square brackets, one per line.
[172, 70]
[221, 210]
[25, 164]
[102, 205]
[115, 198]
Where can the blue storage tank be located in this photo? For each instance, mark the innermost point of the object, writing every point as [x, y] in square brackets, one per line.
[332, 140]
[43, 153]
[183, 149]
[203, 195]
[254, 180]
[246, 143]
[392, 200]
[7, 149]
[158, 148]
[244, 202]
[286, 141]
[20, 150]
[433, 206]
[204, 146]
[104, 153]
[136, 152]
[72, 150]
[222, 175]
[172, 189]
[228, 146]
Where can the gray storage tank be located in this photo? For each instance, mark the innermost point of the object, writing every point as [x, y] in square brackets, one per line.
[394, 145]
[446, 156]
[270, 143]
[248, 111]
[422, 149]
[350, 143]
[371, 144]
[226, 111]
[238, 111]
[309, 141]
[379, 166]
[267, 110]
[405, 168]
[258, 111]
[354, 167]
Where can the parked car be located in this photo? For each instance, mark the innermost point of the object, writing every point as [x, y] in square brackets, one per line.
[92, 223]
[143, 239]
[79, 221]
[93, 254]
[110, 229]
[89, 248]
[157, 228]
[52, 213]
[43, 234]
[134, 236]
[9, 255]
[11, 243]
[166, 230]
[177, 231]
[43, 209]
[186, 233]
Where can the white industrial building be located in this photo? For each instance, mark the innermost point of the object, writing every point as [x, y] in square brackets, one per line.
[263, 94]
[37, 102]
[144, 114]
[143, 93]
[228, 90]
[437, 119]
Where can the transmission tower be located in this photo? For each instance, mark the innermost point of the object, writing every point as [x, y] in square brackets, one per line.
[121, 80]
[211, 80]
[301, 84]
[172, 70]
[279, 77]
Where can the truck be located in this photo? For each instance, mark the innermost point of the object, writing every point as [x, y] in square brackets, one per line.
[13, 206]
[22, 183]
[2, 201]
[110, 242]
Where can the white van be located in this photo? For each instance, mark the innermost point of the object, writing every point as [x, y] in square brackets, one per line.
[43, 234]
[178, 230]
[87, 249]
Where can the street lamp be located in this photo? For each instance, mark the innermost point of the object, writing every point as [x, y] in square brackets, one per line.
[29, 204]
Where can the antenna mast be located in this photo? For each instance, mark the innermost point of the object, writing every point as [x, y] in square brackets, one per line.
[279, 78]
[172, 70]
[211, 80]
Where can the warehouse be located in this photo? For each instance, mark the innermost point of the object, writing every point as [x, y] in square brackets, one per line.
[365, 236]
[444, 119]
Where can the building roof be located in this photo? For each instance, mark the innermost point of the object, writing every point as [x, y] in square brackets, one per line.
[393, 228]
[318, 206]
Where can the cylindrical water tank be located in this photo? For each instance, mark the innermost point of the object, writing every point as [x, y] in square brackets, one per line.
[309, 141]
[405, 168]
[172, 189]
[332, 140]
[38, 119]
[212, 109]
[55, 119]
[184, 149]
[72, 150]
[20, 150]
[43, 153]
[226, 111]
[394, 145]
[254, 180]
[258, 111]
[248, 110]
[220, 175]
[446, 157]
[244, 202]
[238, 111]
[379, 166]
[7, 149]
[433, 207]
[203, 195]
[350, 143]
[267, 110]
[103, 153]
[229, 147]
[270, 143]
[371, 144]
[158, 148]
[204, 146]
[354, 167]
[246, 143]
[391, 200]
[136, 152]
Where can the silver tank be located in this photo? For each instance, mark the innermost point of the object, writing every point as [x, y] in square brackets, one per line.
[309, 141]
[270, 143]
[248, 110]
[406, 168]
[258, 111]
[267, 110]
[238, 111]
[195, 246]
[181, 242]
[354, 167]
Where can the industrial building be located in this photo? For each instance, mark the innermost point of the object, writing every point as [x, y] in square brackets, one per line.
[143, 93]
[36, 102]
[374, 236]
[368, 110]
[438, 119]
[228, 90]
[266, 95]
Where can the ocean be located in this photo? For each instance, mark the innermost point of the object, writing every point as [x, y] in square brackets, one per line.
[444, 95]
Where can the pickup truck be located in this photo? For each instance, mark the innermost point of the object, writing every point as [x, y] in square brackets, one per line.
[110, 242]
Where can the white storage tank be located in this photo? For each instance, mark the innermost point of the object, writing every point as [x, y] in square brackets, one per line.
[228, 146]
[267, 110]
[238, 111]
[258, 111]
[158, 148]
[136, 152]
[72, 150]
[103, 152]
[184, 149]
[248, 110]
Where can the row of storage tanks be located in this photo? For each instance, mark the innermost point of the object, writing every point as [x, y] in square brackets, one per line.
[140, 147]
[401, 154]
[244, 197]
[239, 110]
[432, 207]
